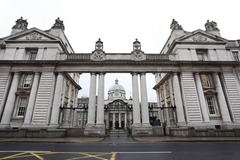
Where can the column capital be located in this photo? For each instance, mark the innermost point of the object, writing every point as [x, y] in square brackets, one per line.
[196, 73]
[57, 73]
[102, 73]
[37, 73]
[16, 73]
[143, 73]
[93, 73]
[134, 73]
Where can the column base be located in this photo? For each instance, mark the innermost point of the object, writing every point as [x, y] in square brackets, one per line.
[181, 124]
[140, 130]
[95, 130]
[53, 126]
[26, 126]
[5, 126]
[227, 125]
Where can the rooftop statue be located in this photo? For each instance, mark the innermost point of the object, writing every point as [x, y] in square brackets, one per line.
[175, 26]
[21, 24]
[58, 24]
[211, 26]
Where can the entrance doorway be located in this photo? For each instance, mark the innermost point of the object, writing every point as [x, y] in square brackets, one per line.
[118, 116]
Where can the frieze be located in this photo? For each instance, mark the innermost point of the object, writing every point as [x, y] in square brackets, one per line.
[34, 36]
[138, 55]
[199, 38]
[98, 55]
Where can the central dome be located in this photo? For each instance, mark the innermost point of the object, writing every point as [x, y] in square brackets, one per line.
[116, 87]
[116, 91]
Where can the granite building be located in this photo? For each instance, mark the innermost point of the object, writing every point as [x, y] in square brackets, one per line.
[197, 85]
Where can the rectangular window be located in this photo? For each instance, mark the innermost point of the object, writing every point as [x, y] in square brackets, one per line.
[235, 55]
[207, 81]
[31, 53]
[201, 54]
[27, 80]
[211, 104]
[21, 107]
[32, 56]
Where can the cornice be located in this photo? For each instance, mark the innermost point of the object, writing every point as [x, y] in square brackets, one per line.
[116, 62]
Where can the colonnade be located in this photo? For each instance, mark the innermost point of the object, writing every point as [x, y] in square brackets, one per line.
[51, 116]
[96, 114]
[179, 96]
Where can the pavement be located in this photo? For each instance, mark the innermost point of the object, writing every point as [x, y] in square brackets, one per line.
[125, 140]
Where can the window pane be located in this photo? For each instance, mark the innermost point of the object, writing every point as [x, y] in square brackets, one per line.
[211, 105]
[201, 54]
[200, 57]
[22, 105]
[235, 55]
[27, 80]
[207, 81]
[32, 56]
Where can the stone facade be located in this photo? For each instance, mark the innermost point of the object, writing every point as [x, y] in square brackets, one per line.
[30, 97]
[200, 97]
[197, 84]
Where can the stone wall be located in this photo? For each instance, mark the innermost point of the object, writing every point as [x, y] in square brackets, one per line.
[32, 133]
[191, 132]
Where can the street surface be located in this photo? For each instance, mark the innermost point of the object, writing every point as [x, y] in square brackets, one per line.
[121, 148]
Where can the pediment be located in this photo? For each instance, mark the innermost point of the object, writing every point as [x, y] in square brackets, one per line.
[209, 91]
[201, 36]
[33, 34]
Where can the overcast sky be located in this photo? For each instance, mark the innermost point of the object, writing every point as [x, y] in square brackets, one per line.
[119, 22]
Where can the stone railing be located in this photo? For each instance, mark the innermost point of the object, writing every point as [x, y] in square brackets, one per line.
[78, 56]
[151, 57]
[157, 57]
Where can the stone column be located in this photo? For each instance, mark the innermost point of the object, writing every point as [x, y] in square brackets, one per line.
[57, 101]
[136, 107]
[160, 105]
[5, 95]
[166, 107]
[8, 110]
[100, 101]
[144, 100]
[221, 99]
[113, 121]
[125, 120]
[201, 98]
[178, 99]
[92, 101]
[32, 99]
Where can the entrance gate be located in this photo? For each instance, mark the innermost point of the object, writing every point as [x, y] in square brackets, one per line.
[118, 116]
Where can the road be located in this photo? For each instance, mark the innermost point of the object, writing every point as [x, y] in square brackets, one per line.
[121, 149]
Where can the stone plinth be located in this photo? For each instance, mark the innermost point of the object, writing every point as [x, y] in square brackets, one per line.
[95, 130]
[140, 130]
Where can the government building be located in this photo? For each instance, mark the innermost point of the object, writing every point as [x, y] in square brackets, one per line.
[196, 73]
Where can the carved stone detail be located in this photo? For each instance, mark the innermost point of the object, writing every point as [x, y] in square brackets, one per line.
[138, 55]
[199, 38]
[21, 24]
[211, 26]
[58, 24]
[175, 26]
[98, 55]
[34, 36]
